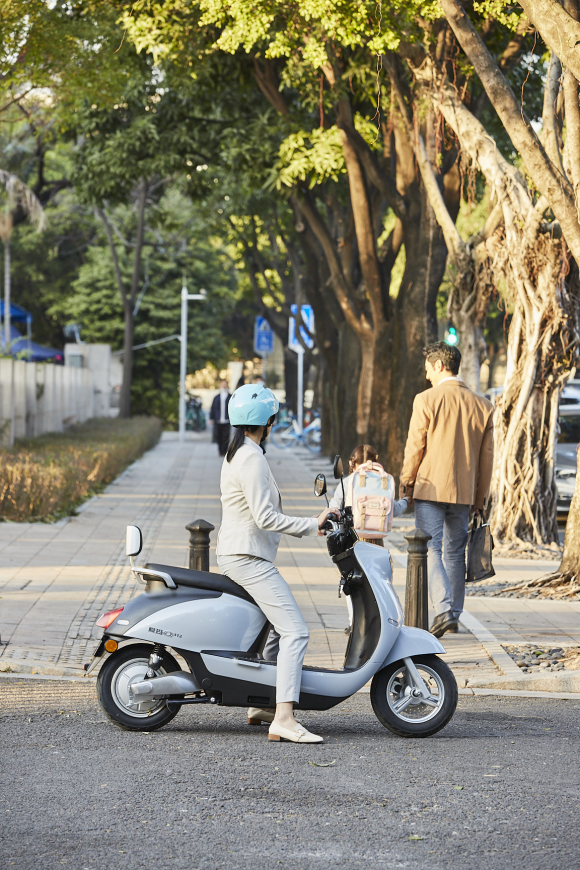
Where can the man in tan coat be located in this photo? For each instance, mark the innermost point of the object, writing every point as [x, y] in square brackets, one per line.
[447, 470]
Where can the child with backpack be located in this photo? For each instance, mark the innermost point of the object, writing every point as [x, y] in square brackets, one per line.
[370, 491]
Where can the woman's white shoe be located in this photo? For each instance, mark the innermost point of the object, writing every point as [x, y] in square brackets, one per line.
[257, 716]
[298, 734]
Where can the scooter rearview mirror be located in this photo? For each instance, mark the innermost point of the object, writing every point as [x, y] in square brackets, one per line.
[319, 485]
[134, 543]
[339, 472]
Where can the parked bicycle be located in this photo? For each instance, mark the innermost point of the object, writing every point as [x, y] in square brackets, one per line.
[195, 420]
[284, 435]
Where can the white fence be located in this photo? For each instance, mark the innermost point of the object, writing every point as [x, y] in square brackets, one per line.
[37, 398]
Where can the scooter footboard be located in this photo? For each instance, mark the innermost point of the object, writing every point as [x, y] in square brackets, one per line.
[413, 642]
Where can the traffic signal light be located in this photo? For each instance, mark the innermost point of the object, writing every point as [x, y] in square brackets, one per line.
[451, 335]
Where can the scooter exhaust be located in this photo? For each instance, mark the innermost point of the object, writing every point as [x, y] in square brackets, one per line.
[177, 683]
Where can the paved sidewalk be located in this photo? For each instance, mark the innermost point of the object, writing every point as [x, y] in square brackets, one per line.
[55, 580]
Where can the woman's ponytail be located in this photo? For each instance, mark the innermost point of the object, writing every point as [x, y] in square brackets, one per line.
[240, 437]
[236, 442]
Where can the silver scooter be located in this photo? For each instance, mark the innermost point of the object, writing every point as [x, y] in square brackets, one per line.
[219, 632]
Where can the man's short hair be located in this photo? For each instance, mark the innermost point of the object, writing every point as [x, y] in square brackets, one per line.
[449, 356]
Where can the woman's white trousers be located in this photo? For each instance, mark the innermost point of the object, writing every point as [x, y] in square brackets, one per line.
[289, 636]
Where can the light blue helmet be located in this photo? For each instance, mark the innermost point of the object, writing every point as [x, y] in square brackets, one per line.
[252, 405]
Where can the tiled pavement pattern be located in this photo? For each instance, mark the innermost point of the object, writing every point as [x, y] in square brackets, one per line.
[55, 580]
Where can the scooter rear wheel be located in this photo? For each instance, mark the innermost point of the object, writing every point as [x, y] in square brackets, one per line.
[407, 714]
[129, 665]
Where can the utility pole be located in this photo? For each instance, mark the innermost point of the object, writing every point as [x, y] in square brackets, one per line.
[185, 298]
[300, 409]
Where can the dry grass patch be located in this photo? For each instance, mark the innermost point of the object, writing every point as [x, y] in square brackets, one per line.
[46, 478]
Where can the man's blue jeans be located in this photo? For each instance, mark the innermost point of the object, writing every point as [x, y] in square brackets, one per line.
[447, 525]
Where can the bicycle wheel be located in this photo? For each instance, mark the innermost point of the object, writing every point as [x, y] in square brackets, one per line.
[283, 436]
[312, 440]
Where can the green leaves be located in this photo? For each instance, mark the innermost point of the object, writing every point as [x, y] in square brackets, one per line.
[313, 157]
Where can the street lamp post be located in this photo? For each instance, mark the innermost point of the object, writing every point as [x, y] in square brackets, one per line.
[185, 298]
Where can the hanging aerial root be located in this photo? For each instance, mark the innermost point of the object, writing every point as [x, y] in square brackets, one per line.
[556, 585]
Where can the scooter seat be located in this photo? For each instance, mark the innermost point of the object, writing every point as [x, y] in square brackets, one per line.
[203, 580]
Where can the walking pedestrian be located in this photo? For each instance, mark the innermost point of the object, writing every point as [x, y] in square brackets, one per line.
[221, 421]
[252, 524]
[447, 470]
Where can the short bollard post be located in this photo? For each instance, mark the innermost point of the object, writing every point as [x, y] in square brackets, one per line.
[199, 532]
[416, 606]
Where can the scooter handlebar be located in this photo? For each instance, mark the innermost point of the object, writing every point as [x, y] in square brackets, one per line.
[330, 523]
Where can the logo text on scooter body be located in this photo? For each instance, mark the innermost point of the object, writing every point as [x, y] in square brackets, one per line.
[164, 633]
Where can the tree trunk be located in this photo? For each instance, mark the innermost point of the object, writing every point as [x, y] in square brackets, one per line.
[345, 393]
[125, 397]
[470, 344]
[542, 344]
[399, 362]
[291, 379]
[545, 322]
[129, 304]
[565, 583]
[7, 324]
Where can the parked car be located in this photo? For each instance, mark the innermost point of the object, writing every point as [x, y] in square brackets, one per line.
[568, 440]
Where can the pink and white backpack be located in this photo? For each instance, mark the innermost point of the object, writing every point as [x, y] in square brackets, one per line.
[371, 492]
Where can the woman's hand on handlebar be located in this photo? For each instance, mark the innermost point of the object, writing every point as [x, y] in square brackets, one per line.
[323, 517]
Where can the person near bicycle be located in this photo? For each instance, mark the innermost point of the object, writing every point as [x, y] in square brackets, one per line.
[252, 524]
[221, 420]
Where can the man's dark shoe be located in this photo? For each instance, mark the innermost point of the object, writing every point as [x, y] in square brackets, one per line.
[443, 623]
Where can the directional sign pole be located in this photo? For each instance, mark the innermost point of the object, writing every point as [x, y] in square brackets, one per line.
[301, 389]
[293, 343]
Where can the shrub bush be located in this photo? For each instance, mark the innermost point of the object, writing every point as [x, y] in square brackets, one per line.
[47, 477]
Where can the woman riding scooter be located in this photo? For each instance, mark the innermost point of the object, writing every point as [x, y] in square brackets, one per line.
[248, 540]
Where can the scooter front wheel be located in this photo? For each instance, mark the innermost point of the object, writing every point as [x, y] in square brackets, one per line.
[401, 709]
[129, 665]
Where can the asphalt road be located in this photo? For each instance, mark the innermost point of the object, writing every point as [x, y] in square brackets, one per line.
[499, 788]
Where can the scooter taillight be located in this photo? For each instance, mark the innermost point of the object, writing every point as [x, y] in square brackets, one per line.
[110, 616]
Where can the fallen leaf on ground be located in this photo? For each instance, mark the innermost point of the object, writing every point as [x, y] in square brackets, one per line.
[322, 763]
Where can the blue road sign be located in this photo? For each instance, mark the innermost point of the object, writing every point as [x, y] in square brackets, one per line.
[263, 337]
[308, 318]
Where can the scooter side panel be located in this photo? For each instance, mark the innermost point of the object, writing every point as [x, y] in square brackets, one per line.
[413, 642]
[331, 684]
[236, 669]
[225, 623]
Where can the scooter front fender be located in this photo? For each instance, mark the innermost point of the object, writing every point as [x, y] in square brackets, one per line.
[413, 642]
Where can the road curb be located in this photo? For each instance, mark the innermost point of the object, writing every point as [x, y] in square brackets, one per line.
[491, 645]
[79, 679]
[561, 681]
[516, 693]
[22, 668]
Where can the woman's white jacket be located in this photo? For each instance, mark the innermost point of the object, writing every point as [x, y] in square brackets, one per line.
[252, 518]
